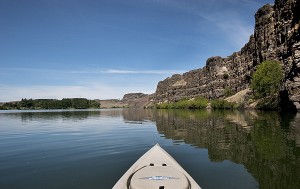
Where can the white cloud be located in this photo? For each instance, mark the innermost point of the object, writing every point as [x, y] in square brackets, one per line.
[118, 71]
[91, 83]
[92, 91]
[96, 71]
[115, 71]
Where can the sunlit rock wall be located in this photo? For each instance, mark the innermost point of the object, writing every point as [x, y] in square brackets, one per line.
[276, 37]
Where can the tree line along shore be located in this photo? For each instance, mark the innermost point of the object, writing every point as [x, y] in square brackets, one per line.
[65, 103]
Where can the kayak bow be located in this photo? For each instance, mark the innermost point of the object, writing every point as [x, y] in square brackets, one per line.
[156, 169]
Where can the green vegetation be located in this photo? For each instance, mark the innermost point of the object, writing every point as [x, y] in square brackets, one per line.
[267, 79]
[197, 103]
[266, 83]
[66, 103]
[268, 137]
[228, 91]
[268, 103]
[223, 104]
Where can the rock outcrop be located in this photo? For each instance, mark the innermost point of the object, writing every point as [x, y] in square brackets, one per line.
[137, 100]
[113, 103]
[276, 37]
[130, 100]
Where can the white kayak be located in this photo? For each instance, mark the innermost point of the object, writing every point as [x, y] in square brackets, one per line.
[156, 169]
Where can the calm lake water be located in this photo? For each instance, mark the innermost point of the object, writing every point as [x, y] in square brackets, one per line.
[93, 148]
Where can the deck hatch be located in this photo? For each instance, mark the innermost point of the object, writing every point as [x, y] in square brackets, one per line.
[155, 177]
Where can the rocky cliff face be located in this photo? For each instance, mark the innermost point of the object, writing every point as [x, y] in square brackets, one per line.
[137, 100]
[276, 37]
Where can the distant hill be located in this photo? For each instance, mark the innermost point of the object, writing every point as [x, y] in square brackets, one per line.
[132, 100]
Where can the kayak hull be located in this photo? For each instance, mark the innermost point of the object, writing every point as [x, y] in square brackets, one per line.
[156, 169]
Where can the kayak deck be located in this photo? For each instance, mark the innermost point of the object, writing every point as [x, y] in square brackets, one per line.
[158, 170]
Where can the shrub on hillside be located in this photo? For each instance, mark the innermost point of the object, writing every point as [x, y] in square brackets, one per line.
[197, 103]
[223, 104]
[267, 79]
[266, 83]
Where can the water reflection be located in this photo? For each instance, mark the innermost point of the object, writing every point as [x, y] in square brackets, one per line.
[267, 144]
[44, 115]
[138, 115]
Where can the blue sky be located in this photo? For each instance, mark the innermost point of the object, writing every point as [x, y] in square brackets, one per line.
[101, 49]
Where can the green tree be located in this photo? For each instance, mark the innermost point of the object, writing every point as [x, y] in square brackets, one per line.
[66, 103]
[80, 103]
[267, 79]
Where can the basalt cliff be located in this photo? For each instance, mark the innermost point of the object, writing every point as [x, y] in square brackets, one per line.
[276, 37]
